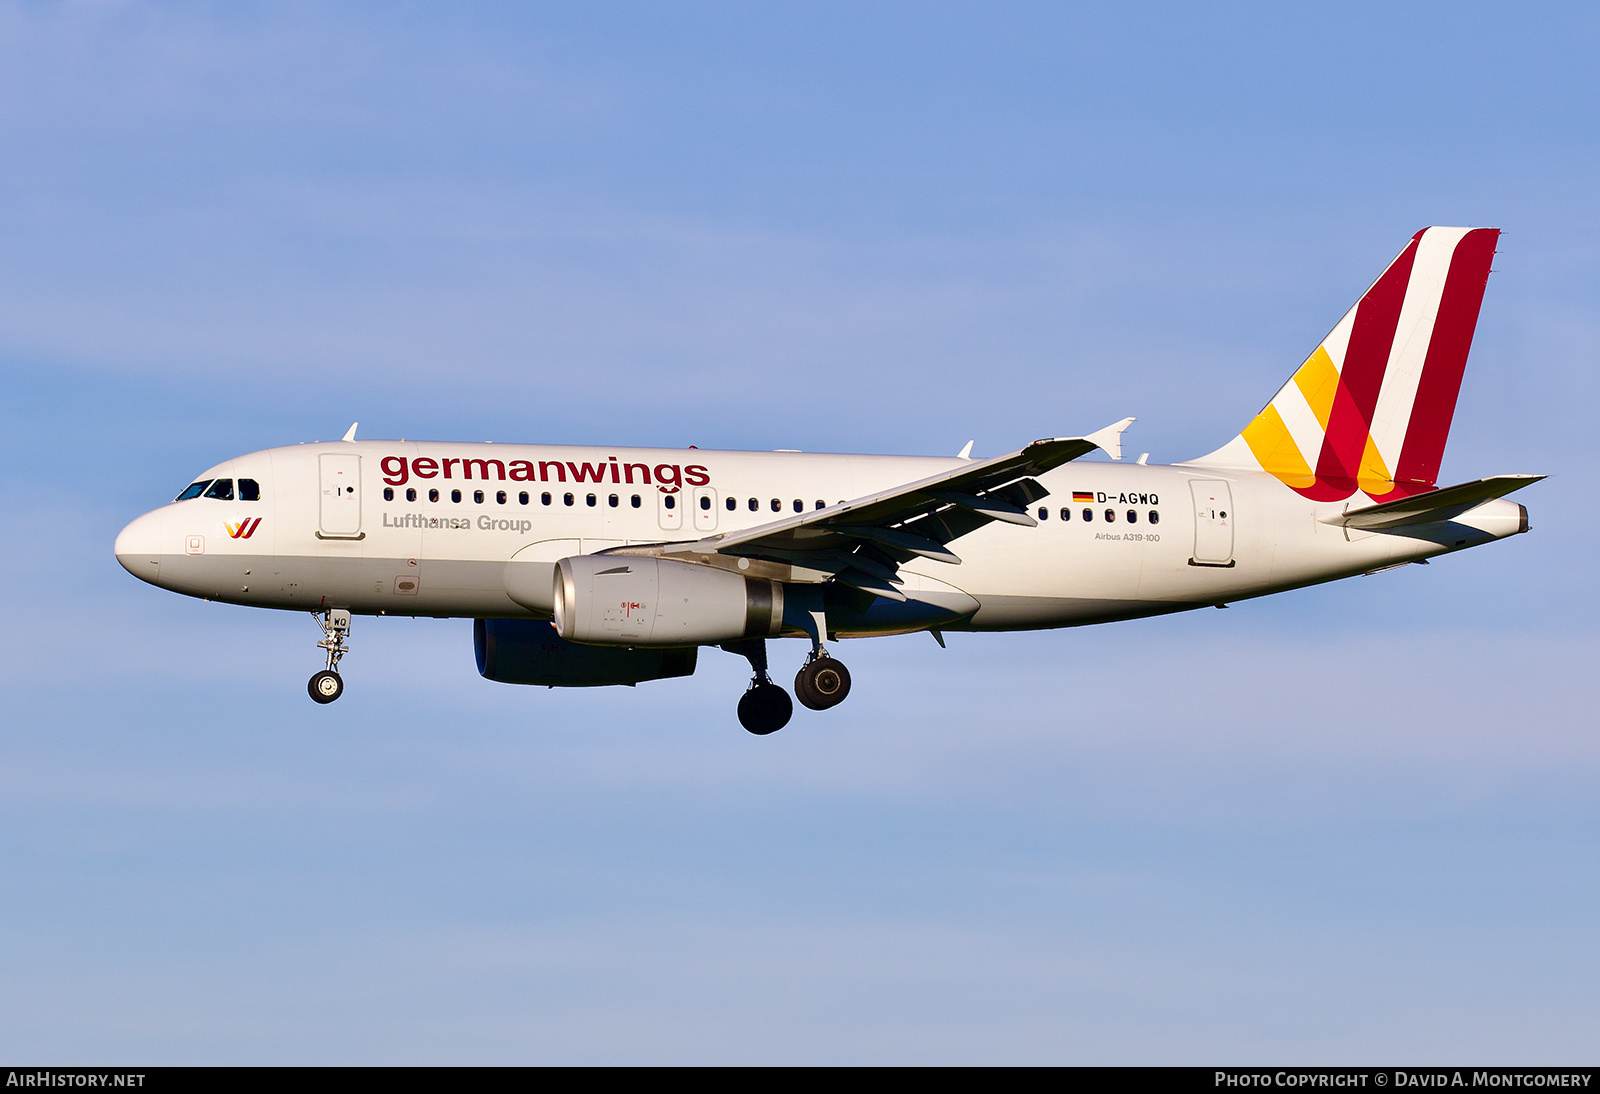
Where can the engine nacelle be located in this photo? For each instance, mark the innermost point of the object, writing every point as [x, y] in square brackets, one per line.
[623, 600]
[528, 651]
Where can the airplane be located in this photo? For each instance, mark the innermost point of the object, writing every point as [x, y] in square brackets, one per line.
[585, 566]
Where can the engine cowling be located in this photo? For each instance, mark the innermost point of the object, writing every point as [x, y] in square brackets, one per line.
[528, 651]
[623, 600]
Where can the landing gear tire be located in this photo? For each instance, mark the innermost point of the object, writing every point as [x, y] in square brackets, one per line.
[765, 708]
[822, 683]
[326, 686]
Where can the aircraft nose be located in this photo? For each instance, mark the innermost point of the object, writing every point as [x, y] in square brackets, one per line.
[138, 548]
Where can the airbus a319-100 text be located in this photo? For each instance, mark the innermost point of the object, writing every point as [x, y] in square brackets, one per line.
[596, 566]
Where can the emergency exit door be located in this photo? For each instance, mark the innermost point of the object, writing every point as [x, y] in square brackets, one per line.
[671, 511]
[704, 500]
[340, 503]
[1213, 522]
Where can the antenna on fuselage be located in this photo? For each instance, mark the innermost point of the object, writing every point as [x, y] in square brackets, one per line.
[350, 434]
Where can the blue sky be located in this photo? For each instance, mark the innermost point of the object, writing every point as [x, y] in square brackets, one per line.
[1353, 823]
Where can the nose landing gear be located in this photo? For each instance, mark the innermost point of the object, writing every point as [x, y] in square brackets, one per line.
[328, 685]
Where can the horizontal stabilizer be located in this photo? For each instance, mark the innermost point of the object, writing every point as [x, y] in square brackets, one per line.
[1436, 505]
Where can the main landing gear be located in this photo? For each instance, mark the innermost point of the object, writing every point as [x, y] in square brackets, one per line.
[328, 685]
[822, 682]
[766, 708]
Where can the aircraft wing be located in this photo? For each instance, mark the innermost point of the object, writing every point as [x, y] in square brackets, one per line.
[863, 542]
[1435, 505]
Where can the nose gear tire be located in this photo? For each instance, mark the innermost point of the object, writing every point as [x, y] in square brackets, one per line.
[765, 708]
[822, 683]
[326, 686]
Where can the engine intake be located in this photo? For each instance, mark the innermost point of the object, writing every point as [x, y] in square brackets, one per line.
[623, 600]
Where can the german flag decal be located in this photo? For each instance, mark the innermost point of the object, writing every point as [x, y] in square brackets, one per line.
[1082, 496]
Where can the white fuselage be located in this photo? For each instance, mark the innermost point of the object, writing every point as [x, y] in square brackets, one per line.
[1153, 539]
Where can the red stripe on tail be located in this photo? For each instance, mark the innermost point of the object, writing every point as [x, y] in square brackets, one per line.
[1361, 378]
[1440, 382]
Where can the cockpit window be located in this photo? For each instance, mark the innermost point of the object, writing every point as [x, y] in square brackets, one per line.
[194, 491]
[249, 490]
[221, 490]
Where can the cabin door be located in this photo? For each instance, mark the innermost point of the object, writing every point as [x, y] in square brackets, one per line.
[1213, 522]
[340, 509]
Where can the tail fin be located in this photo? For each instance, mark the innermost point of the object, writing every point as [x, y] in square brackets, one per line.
[1371, 408]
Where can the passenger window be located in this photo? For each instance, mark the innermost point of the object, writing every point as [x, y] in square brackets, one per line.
[411, 495]
[1088, 514]
[820, 505]
[433, 495]
[544, 499]
[1111, 516]
[388, 493]
[1066, 514]
[670, 501]
[249, 490]
[455, 496]
[477, 496]
[705, 501]
[1155, 517]
[1044, 514]
[522, 498]
[799, 506]
[731, 504]
[589, 500]
[754, 505]
[197, 488]
[500, 497]
[613, 501]
[567, 499]
[777, 506]
[635, 501]
[221, 490]
[1133, 516]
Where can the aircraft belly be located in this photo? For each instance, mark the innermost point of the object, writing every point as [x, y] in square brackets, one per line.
[362, 585]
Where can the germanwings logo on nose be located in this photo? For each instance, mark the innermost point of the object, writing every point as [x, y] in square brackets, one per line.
[244, 529]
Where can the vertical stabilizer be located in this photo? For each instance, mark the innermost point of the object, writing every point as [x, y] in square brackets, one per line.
[1370, 409]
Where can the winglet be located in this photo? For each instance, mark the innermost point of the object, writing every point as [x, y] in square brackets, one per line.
[1110, 438]
[965, 453]
[350, 434]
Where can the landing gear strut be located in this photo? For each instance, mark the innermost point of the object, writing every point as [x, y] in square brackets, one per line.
[822, 682]
[765, 707]
[328, 685]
